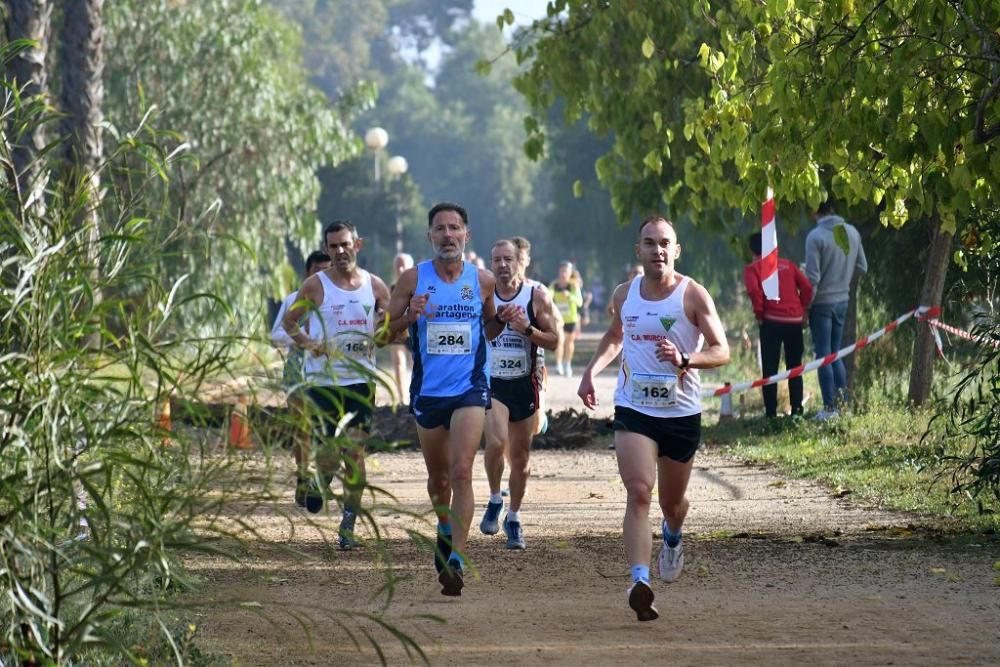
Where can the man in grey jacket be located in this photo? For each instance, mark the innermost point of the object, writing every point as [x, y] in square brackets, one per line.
[833, 253]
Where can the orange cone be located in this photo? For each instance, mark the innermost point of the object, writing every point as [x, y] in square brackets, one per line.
[239, 429]
[163, 422]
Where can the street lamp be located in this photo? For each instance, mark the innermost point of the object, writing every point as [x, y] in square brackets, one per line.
[376, 139]
[397, 166]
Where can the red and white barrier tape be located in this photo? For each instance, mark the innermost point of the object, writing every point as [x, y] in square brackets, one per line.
[922, 313]
[961, 333]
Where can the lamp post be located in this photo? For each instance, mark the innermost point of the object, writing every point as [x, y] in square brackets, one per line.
[376, 139]
[397, 166]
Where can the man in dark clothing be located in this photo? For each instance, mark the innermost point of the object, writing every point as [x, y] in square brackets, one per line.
[780, 323]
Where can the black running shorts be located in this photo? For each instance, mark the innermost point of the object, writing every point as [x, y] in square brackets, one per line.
[520, 396]
[676, 438]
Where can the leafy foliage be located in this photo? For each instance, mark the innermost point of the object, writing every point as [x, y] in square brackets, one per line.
[710, 103]
[227, 76]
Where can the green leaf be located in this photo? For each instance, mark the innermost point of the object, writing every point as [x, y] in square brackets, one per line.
[508, 16]
[648, 48]
[483, 67]
[703, 53]
[578, 188]
[840, 237]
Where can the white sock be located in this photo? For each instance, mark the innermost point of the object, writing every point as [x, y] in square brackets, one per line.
[496, 497]
[513, 516]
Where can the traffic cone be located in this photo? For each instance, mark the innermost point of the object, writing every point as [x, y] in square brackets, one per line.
[239, 429]
[163, 422]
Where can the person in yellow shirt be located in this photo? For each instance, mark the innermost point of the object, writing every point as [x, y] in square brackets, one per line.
[568, 299]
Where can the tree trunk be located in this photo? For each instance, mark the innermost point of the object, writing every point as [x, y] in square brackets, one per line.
[851, 331]
[938, 258]
[29, 19]
[82, 64]
[82, 59]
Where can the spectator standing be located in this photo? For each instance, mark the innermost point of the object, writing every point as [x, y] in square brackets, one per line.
[780, 323]
[830, 266]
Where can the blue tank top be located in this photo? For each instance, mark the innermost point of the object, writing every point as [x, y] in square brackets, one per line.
[449, 344]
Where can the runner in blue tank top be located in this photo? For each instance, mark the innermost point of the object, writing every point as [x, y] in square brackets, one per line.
[448, 306]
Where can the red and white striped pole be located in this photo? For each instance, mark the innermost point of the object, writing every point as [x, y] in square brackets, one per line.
[769, 248]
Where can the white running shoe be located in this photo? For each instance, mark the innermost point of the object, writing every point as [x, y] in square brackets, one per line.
[823, 415]
[671, 562]
[640, 599]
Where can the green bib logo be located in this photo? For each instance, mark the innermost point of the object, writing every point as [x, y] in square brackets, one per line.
[667, 322]
[368, 309]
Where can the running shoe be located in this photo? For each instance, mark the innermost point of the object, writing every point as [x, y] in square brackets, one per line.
[515, 536]
[490, 525]
[347, 540]
[443, 551]
[451, 579]
[671, 562]
[315, 497]
[640, 599]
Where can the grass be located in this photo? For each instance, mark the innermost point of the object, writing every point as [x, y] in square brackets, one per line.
[878, 458]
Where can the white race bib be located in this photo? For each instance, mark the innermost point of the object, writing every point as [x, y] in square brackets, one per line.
[451, 338]
[509, 363]
[356, 347]
[654, 391]
[564, 307]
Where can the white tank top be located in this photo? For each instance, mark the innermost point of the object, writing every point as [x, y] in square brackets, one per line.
[512, 354]
[346, 322]
[645, 383]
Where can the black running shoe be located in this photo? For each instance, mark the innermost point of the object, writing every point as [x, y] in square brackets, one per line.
[315, 497]
[443, 551]
[640, 598]
[451, 580]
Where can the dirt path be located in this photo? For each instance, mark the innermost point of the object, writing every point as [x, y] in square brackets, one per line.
[777, 572]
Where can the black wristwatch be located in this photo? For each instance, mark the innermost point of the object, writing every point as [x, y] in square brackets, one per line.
[685, 360]
[529, 331]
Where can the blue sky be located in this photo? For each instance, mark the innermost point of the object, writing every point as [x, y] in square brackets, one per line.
[524, 10]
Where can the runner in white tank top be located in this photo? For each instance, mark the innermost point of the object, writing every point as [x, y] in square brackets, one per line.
[666, 326]
[349, 303]
[644, 383]
[510, 422]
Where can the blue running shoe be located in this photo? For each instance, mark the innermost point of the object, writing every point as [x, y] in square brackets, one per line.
[443, 551]
[543, 424]
[347, 540]
[490, 525]
[515, 537]
[451, 579]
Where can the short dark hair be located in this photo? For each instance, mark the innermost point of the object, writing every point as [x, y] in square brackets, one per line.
[826, 208]
[755, 241]
[650, 219]
[316, 257]
[340, 225]
[448, 206]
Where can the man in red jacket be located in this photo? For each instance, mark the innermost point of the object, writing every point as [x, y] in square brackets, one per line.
[780, 322]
